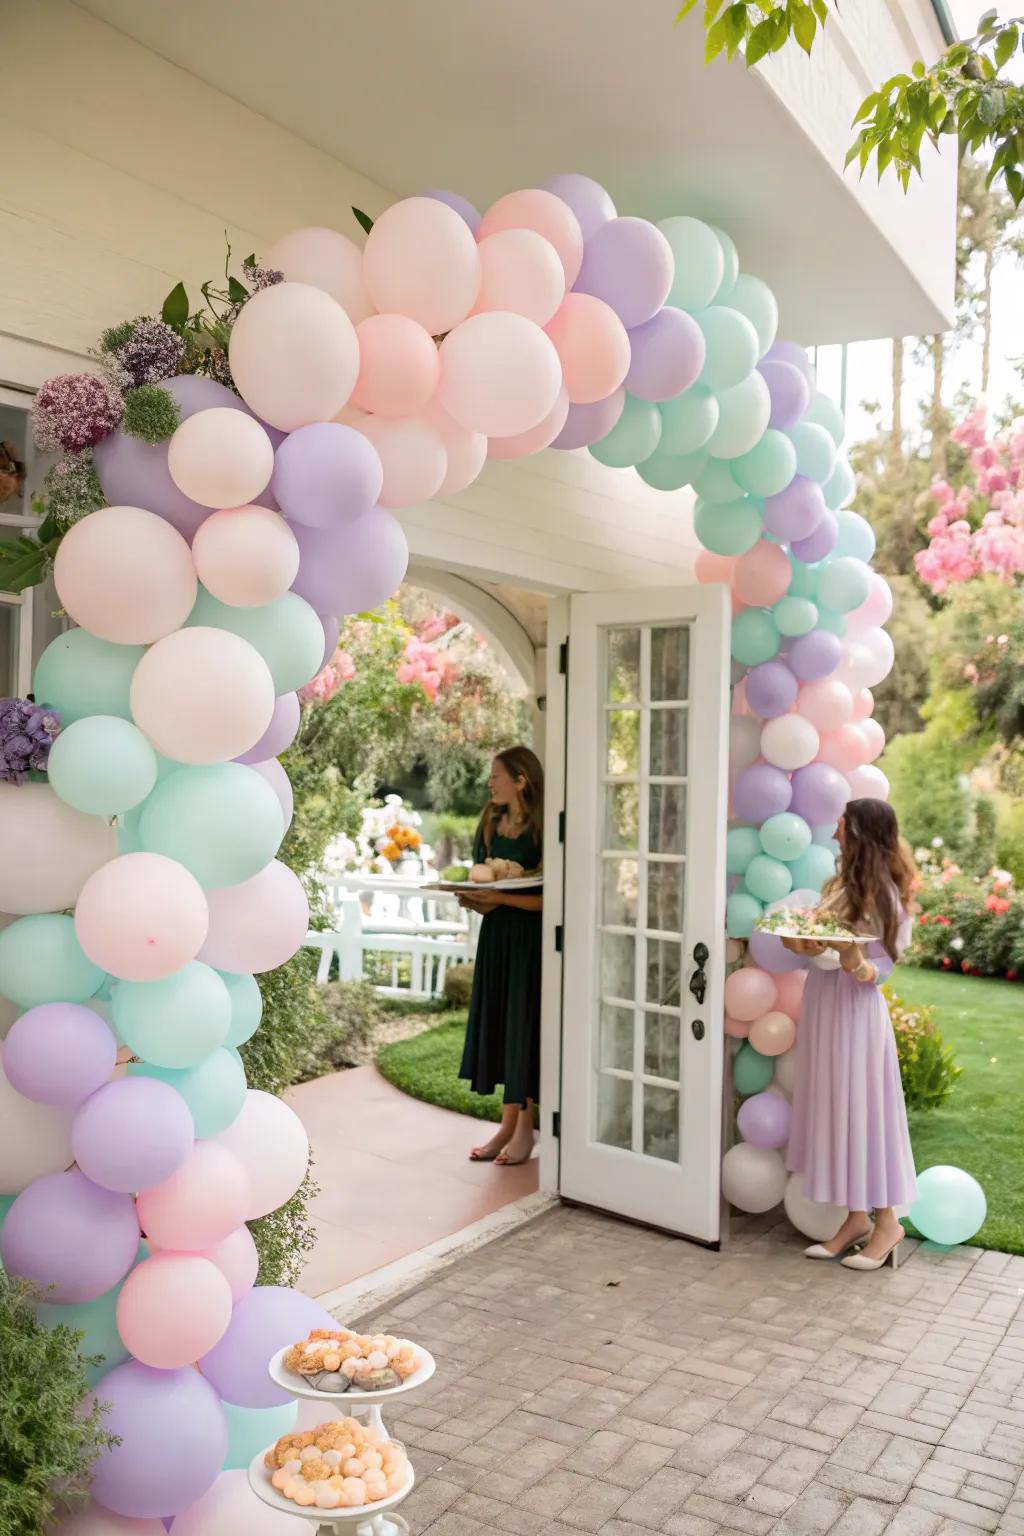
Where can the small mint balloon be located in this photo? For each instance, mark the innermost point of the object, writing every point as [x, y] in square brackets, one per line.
[222, 821]
[79, 675]
[177, 1021]
[97, 1323]
[246, 1006]
[102, 765]
[950, 1206]
[671, 472]
[844, 584]
[730, 529]
[731, 347]
[741, 845]
[717, 483]
[813, 869]
[794, 616]
[751, 1072]
[41, 961]
[803, 580]
[286, 632]
[251, 1430]
[815, 451]
[754, 637]
[856, 536]
[741, 913]
[768, 879]
[634, 437]
[688, 420]
[767, 469]
[824, 412]
[786, 837]
[214, 1090]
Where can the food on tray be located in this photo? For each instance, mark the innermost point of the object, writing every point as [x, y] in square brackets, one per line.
[496, 869]
[455, 874]
[333, 1360]
[339, 1465]
[805, 923]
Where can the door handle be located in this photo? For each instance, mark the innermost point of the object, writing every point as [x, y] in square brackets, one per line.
[699, 980]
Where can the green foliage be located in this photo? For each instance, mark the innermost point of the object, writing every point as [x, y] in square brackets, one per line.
[286, 1237]
[982, 633]
[450, 836]
[293, 1013]
[351, 1015]
[758, 29]
[965, 925]
[152, 413]
[1010, 842]
[26, 560]
[458, 985]
[427, 1067]
[981, 854]
[116, 336]
[928, 1066]
[924, 772]
[363, 220]
[48, 1443]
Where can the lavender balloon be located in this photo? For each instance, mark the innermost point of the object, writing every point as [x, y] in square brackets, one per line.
[796, 511]
[768, 952]
[666, 355]
[588, 200]
[763, 1120]
[629, 264]
[771, 689]
[820, 794]
[331, 631]
[461, 205]
[586, 424]
[326, 475]
[59, 1053]
[353, 569]
[789, 390]
[820, 542]
[815, 656]
[263, 1321]
[283, 727]
[791, 352]
[761, 791]
[67, 1233]
[173, 1435]
[132, 1134]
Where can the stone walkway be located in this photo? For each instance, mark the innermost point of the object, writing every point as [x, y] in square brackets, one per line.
[594, 1377]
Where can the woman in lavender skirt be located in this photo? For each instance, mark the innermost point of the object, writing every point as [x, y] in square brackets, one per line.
[849, 1137]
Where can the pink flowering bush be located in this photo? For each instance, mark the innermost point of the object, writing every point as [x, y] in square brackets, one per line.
[978, 531]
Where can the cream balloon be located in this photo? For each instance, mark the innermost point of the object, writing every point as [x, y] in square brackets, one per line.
[202, 695]
[270, 1142]
[784, 1078]
[816, 1221]
[538, 438]
[246, 556]
[257, 925]
[520, 272]
[772, 1034]
[229, 1508]
[412, 456]
[294, 355]
[96, 1521]
[421, 260]
[36, 1139]
[500, 374]
[49, 849]
[744, 742]
[220, 458]
[325, 259]
[142, 917]
[466, 450]
[789, 742]
[753, 1178]
[126, 575]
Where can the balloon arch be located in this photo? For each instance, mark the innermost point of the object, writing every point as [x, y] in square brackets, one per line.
[205, 595]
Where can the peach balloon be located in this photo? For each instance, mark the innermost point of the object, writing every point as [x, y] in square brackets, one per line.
[294, 357]
[772, 1033]
[539, 437]
[49, 849]
[172, 1308]
[520, 272]
[126, 575]
[421, 260]
[398, 366]
[325, 259]
[500, 374]
[142, 917]
[738, 1029]
[270, 1142]
[200, 1204]
[790, 988]
[762, 575]
[592, 346]
[844, 749]
[466, 450]
[245, 556]
[202, 695]
[749, 993]
[412, 457]
[259, 924]
[710, 568]
[863, 704]
[235, 1256]
[737, 604]
[220, 458]
[827, 704]
[874, 735]
[546, 215]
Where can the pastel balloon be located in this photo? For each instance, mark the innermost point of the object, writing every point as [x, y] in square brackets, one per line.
[220, 458]
[202, 695]
[744, 742]
[49, 848]
[355, 572]
[500, 374]
[245, 556]
[102, 765]
[59, 1053]
[246, 1006]
[754, 637]
[792, 352]
[131, 1133]
[731, 347]
[856, 537]
[79, 675]
[172, 1308]
[294, 357]
[412, 456]
[666, 472]
[94, 1521]
[741, 913]
[141, 917]
[819, 543]
[421, 260]
[741, 845]
[771, 689]
[814, 868]
[868, 783]
[874, 736]
[280, 733]
[42, 961]
[628, 263]
[789, 390]
[736, 1029]
[717, 484]
[789, 742]
[588, 200]
[950, 1206]
[214, 1090]
[273, 774]
[844, 749]
[796, 511]
[743, 414]
[844, 584]
[520, 272]
[125, 575]
[70, 1238]
[698, 262]
[327, 474]
[815, 450]
[786, 836]
[754, 299]
[790, 988]
[763, 1119]
[171, 1438]
[827, 414]
[711, 568]
[323, 258]
[592, 347]
[768, 879]
[633, 438]
[461, 205]
[762, 574]
[666, 355]
[538, 438]
[258, 924]
[36, 1139]
[827, 704]
[263, 1321]
[546, 215]
[689, 420]
[586, 424]
[175, 1022]
[876, 609]
[223, 822]
[794, 616]
[863, 704]
[200, 1203]
[270, 1142]
[229, 1508]
[250, 1430]
[814, 655]
[465, 451]
[761, 791]
[237, 1259]
[772, 1034]
[840, 488]
[398, 366]
[769, 467]
[753, 1178]
[749, 993]
[815, 1220]
[766, 951]
[819, 794]
[730, 528]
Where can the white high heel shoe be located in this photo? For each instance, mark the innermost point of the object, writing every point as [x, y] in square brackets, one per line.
[861, 1260]
[819, 1251]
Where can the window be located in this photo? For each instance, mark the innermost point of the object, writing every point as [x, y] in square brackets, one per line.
[27, 619]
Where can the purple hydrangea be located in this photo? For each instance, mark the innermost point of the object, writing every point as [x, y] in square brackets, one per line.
[151, 353]
[26, 735]
[260, 277]
[75, 411]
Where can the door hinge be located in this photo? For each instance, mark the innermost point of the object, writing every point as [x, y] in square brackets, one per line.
[559, 939]
[561, 826]
[556, 1123]
[563, 659]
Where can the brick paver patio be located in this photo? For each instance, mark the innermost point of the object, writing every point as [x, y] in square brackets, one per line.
[594, 1377]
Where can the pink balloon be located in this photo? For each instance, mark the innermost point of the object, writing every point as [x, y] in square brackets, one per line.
[220, 458]
[200, 1204]
[711, 569]
[237, 1259]
[245, 556]
[411, 454]
[874, 736]
[876, 609]
[789, 742]
[172, 1308]
[827, 704]
[738, 1029]
[258, 925]
[142, 917]
[790, 988]
[592, 346]
[500, 374]
[228, 1508]
[270, 1142]
[95, 1521]
[844, 749]
[520, 272]
[749, 993]
[539, 437]
[421, 260]
[202, 695]
[466, 450]
[126, 575]
[398, 366]
[546, 215]
[324, 259]
[277, 778]
[762, 575]
[772, 1033]
[863, 704]
[294, 357]
[868, 783]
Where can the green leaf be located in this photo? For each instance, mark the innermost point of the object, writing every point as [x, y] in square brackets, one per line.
[820, 10]
[715, 40]
[918, 69]
[685, 9]
[804, 28]
[47, 529]
[23, 563]
[237, 292]
[987, 23]
[956, 56]
[990, 107]
[363, 220]
[735, 20]
[1015, 185]
[865, 109]
[760, 40]
[937, 110]
[1006, 44]
[175, 310]
[250, 260]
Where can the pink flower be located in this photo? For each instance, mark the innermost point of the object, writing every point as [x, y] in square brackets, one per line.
[343, 665]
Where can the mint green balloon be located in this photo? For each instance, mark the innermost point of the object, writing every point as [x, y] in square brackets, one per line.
[671, 472]
[177, 1021]
[741, 913]
[246, 1006]
[824, 412]
[732, 265]
[717, 483]
[251, 1430]
[768, 879]
[97, 1322]
[856, 536]
[744, 412]
[731, 347]
[803, 581]
[844, 584]
[699, 261]
[829, 619]
[79, 675]
[754, 298]
[839, 490]
[754, 637]
[794, 616]
[751, 1072]
[728, 530]
[815, 451]
[741, 845]
[688, 420]
[102, 765]
[767, 469]
[41, 961]
[214, 1090]
[286, 632]
[222, 821]
[813, 868]
[950, 1206]
[634, 437]
[785, 836]
[128, 831]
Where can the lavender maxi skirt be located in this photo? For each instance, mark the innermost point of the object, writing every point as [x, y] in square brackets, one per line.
[849, 1136]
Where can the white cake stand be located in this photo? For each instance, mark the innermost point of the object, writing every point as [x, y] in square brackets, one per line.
[354, 1401]
[377, 1519]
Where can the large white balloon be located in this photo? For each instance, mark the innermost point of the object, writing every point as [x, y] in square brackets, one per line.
[324, 259]
[202, 695]
[258, 924]
[819, 1222]
[36, 1139]
[126, 575]
[270, 1141]
[294, 355]
[753, 1178]
[47, 849]
[230, 1508]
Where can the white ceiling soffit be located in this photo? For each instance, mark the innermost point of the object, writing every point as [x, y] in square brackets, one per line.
[482, 97]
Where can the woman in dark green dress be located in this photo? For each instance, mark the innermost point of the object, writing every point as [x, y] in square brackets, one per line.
[503, 1033]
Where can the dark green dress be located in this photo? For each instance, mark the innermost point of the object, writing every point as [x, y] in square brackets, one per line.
[503, 1033]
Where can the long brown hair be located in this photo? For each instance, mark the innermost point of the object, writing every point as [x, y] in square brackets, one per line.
[523, 764]
[876, 872]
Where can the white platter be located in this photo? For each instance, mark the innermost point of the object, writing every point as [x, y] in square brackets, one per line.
[458, 887]
[263, 1488]
[826, 939]
[354, 1399]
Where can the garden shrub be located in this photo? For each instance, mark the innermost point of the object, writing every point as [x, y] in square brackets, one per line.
[350, 1015]
[1010, 842]
[927, 792]
[927, 1065]
[285, 1237]
[458, 985]
[971, 925]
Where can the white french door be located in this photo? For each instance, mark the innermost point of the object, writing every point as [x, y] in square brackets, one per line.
[643, 943]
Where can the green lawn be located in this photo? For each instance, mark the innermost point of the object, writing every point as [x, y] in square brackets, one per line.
[427, 1067]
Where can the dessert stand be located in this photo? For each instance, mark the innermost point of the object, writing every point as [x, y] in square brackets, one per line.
[351, 1403]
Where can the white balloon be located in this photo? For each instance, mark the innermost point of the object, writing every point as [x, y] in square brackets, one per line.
[753, 1178]
[789, 742]
[816, 1221]
[126, 575]
[868, 783]
[230, 1508]
[294, 355]
[324, 259]
[47, 849]
[36, 1139]
[744, 742]
[270, 1141]
[202, 695]
[785, 1073]
[221, 458]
